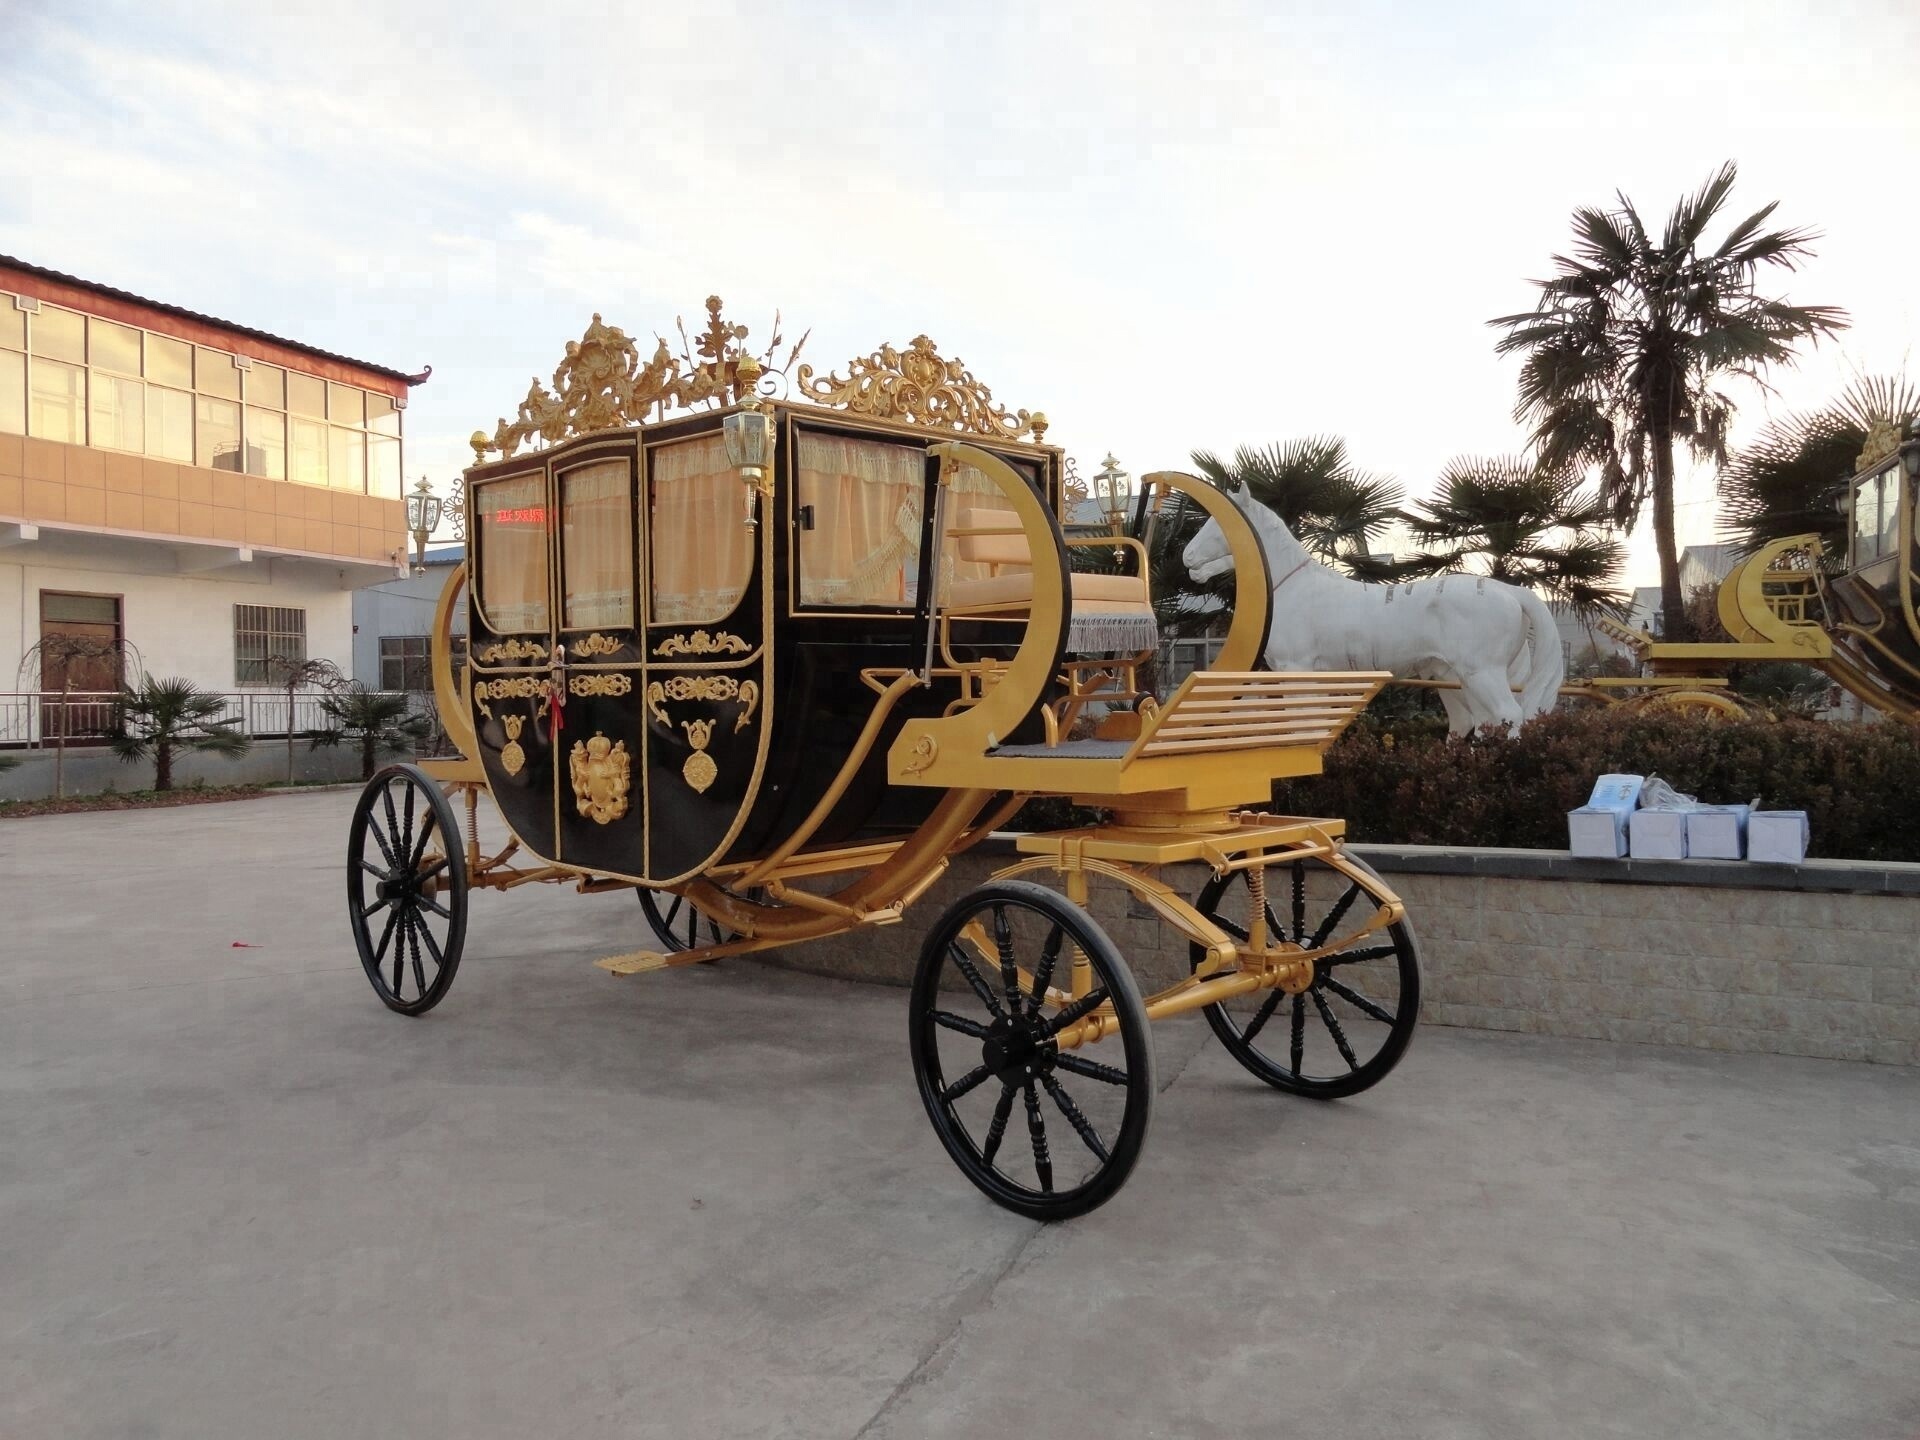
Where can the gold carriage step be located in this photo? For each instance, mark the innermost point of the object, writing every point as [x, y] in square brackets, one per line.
[1221, 740]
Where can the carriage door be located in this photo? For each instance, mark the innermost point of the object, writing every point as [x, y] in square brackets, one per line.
[708, 664]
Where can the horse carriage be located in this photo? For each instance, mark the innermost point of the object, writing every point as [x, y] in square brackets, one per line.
[772, 655]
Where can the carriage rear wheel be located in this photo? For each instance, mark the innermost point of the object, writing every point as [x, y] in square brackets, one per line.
[987, 1013]
[1342, 1033]
[406, 889]
[677, 921]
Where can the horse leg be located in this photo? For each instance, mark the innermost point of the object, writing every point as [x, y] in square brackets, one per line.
[1490, 696]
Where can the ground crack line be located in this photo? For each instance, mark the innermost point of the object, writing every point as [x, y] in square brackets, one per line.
[976, 1299]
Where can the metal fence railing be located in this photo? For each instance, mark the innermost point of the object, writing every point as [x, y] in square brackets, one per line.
[38, 719]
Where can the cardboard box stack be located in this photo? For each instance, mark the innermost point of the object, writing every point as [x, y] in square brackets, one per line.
[1646, 818]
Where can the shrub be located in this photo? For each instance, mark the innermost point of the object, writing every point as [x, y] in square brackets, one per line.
[1856, 782]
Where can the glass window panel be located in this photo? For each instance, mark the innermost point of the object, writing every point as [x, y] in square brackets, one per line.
[596, 546]
[13, 392]
[864, 547]
[346, 405]
[59, 334]
[57, 402]
[79, 609]
[13, 324]
[306, 395]
[702, 545]
[169, 423]
[265, 639]
[117, 410]
[1866, 520]
[383, 416]
[266, 443]
[1889, 541]
[512, 520]
[113, 347]
[406, 662]
[347, 460]
[170, 362]
[307, 457]
[267, 386]
[214, 373]
[383, 467]
[217, 433]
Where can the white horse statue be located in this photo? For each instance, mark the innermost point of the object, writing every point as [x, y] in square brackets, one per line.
[1490, 636]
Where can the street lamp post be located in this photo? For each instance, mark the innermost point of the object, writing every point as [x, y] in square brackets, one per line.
[1112, 489]
[423, 516]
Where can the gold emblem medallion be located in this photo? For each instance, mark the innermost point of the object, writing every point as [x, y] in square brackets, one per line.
[512, 758]
[599, 769]
[699, 771]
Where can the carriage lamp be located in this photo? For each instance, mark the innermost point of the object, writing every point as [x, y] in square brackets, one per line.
[1112, 490]
[749, 436]
[423, 515]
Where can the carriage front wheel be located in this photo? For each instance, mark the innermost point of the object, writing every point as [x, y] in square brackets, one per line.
[406, 888]
[1046, 1127]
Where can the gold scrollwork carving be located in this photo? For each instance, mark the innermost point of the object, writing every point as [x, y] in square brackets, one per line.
[702, 642]
[512, 758]
[614, 684]
[601, 773]
[749, 701]
[920, 386]
[515, 687]
[512, 650]
[923, 754]
[699, 771]
[594, 644]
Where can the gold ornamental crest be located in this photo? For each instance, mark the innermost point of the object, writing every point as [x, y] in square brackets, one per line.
[600, 770]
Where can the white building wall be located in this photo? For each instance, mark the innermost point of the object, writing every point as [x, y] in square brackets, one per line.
[180, 624]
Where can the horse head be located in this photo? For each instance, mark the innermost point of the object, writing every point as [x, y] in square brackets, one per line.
[1208, 554]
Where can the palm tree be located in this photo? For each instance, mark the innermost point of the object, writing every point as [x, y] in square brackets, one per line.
[294, 675]
[1791, 479]
[158, 717]
[376, 719]
[1512, 519]
[1631, 337]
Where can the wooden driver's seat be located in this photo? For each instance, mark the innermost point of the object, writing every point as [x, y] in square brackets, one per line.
[1111, 630]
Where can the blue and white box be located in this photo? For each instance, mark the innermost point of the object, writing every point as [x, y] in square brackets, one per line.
[1656, 834]
[1777, 837]
[1718, 832]
[1598, 829]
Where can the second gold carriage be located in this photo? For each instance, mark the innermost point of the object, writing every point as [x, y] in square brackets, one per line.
[773, 662]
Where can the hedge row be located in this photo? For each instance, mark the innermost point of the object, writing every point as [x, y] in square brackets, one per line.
[1400, 783]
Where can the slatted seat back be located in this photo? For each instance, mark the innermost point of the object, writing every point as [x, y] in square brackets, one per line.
[1215, 711]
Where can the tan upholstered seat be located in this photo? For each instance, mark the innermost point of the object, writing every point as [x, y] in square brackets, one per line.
[1105, 591]
[1108, 611]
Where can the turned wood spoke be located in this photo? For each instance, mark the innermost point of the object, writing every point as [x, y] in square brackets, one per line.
[1078, 1010]
[1262, 1015]
[1082, 1126]
[433, 946]
[368, 910]
[1092, 1069]
[976, 980]
[1043, 976]
[965, 1083]
[373, 829]
[1009, 967]
[428, 871]
[1344, 904]
[436, 907]
[1333, 1028]
[997, 1131]
[1358, 1001]
[419, 851]
[386, 935]
[1297, 1049]
[414, 928]
[1355, 957]
[1299, 900]
[406, 834]
[1037, 1132]
[368, 865]
[950, 1021]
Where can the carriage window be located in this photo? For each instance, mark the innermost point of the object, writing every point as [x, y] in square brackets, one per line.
[512, 520]
[1876, 510]
[596, 546]
[1890, 510]
[702, 544]
[864, 545]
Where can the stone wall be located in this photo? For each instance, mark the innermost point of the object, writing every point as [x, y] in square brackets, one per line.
[1819, 959]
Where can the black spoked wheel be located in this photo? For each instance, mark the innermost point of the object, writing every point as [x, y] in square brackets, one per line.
[677, 922]
[1046, 1126]
[1350, 1026]
[407, 889]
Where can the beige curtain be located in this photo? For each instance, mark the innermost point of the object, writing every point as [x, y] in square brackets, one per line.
[513, 546]
[596, 541]
[864, 547]
[702, 546]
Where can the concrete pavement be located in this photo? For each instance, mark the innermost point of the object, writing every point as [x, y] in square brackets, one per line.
[239, 1198]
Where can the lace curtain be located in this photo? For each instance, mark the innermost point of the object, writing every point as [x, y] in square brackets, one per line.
[512, 518]
[596, 541]
[702, 546]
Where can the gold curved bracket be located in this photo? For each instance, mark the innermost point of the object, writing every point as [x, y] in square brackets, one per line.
[1246, 640]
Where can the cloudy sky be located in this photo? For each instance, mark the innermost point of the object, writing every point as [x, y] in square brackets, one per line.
[1169, 225]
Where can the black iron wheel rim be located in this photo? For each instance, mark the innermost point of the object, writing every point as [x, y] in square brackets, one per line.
[406, 889]
[1046, 1131]
[678, 922]
[1352, 1025]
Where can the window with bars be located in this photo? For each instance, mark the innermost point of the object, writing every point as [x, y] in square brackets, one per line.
[263, 634]
[406, 662]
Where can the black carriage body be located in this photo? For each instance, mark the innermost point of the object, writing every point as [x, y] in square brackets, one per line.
[697, 724]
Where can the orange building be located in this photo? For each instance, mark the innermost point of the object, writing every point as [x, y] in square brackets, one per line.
[210, 493]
